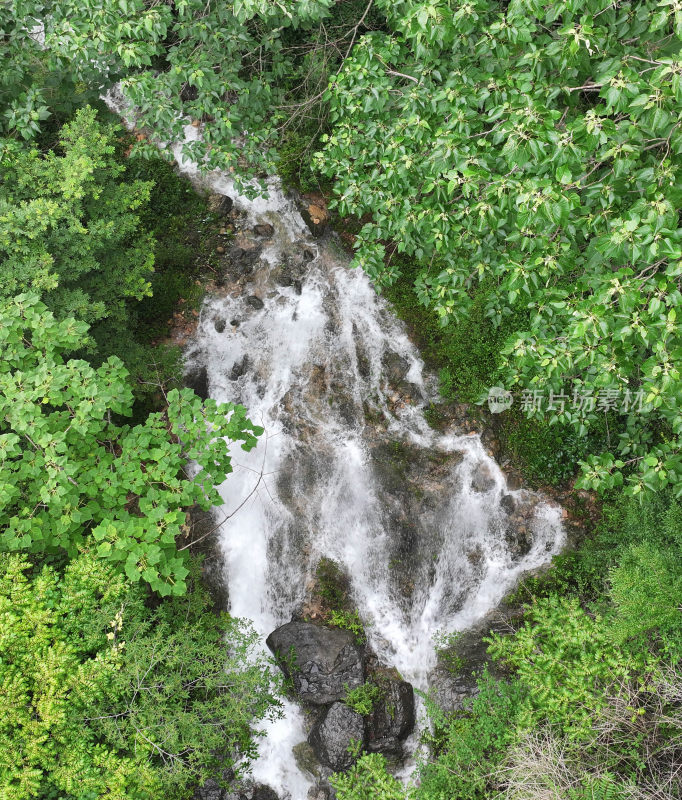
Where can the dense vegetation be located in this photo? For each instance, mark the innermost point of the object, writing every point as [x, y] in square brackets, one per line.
[512, 172]
[109, 690]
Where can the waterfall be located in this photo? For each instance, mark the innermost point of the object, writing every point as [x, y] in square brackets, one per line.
[423, 522]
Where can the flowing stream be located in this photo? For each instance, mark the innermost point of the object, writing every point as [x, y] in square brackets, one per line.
[423, 522]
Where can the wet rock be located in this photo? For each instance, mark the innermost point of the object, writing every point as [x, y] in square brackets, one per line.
[306, 760]
[315, 217]
[451, 692]
[239, 368]
[264, 229]
[263, 792]
[508, 503]
[196, 378]
[335, 733]
[202, 525]
[235, 323]
[255, 302]
[321, 792]
[210, 790]
[321, 662]
[392, 719]
[220, 204]
[482, 479]
[363, 361]
[519, 540]
[245, 254]
[395, 367]
[219, 324]
[513, 482]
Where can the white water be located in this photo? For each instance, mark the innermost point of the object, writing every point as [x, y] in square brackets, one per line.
[314, 359]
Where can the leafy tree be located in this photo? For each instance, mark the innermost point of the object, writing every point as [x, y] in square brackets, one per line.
[243, 66]
[534, 145]
[72, 477]
[69, 227]
[103, 697]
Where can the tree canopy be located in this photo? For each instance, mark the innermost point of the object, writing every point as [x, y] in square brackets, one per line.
[73, 477]
[536, 145]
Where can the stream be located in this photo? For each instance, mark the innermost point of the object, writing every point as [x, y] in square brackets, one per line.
[423, 522]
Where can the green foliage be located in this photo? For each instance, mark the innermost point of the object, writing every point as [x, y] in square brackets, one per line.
[532, 146]
[567, 658]
[332, 583]
[69, 227]
[349, 621]
[471, 744]
[52, 680]
[363, 698]
[546, 453]
[103, 697]
[70, 476]
[646, 588]
[368, 779]
[205, 684]
[294, 164]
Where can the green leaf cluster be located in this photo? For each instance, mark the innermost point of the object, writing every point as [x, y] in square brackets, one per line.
[72, 477]
[103, 697]
[69, 226]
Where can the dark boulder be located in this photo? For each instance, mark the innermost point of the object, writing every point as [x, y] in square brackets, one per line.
[219, 324]
[264, 229]
[334, 735]
[452, 692]
[392, 718]
[482, 479]
[508, 503]
[263, 792]
[395, 367]
[519, 539]
[210, 790]
[255, 302]
[239, 368]
[220, 204]
[321, 662]
[244, 258]
[225, 205]
[196, 378]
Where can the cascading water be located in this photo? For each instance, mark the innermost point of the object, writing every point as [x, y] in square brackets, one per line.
[423, 522]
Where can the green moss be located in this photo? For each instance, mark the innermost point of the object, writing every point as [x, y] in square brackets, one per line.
[332, 584]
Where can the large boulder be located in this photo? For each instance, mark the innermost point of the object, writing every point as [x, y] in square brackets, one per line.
[451, 692]
[334, 735]
[196, 378]
[322, 663]
[392, 718]
[395, 367]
